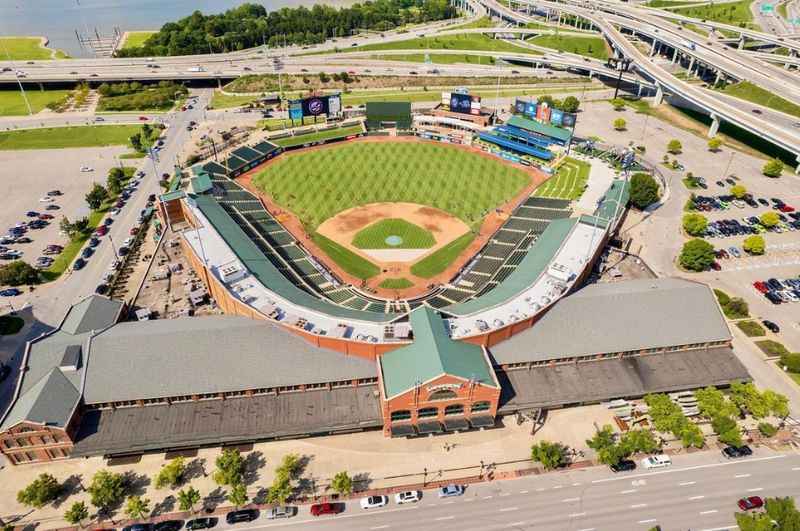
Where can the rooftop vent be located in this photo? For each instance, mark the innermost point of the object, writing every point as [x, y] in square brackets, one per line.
[71, 359]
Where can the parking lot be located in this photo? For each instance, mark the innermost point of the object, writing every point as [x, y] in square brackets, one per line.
[29, 175]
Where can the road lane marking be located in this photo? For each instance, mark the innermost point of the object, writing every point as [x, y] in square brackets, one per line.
[711, 511]
[442, 518]
[508, 509]
[686, 483]
[629, 491]
[448, 503]
[570, 500]
[540, 489]
[380, 527]
[559, 487]
[796, 468]
[488, 497]
[576, 484]
[689, 468]
[523, 492]
[576, 515]
[648, 521]
[757, 489]
[587, 529]
[516, 524]
[505, 494]
[742, 476]
[638, 505]
[696, 497]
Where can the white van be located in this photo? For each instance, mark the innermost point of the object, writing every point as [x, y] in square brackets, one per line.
[656, 461]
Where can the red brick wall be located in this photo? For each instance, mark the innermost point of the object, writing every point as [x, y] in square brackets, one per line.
[30, 443]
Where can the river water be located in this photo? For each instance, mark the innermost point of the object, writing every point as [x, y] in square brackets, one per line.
[58, 20]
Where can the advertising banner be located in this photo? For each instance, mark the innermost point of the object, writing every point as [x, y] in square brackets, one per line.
[530, 109]
[461, 103]
[446, 98]
[543, 113]
[519, 106]
[315, 106]
[334, 105]
[568, 119]
[556, 117]
[296, 110]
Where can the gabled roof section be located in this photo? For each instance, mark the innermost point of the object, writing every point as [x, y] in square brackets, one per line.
[543, 129]
[49, 401]
[92, 313]
[433, 353]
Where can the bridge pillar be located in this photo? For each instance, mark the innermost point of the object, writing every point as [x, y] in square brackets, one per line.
[674, 55]
[659, 98]
[719, 75]
[741, 42]
[691, 65]
[714, 128]
[639, 90]
[797, 168]
[653, 48]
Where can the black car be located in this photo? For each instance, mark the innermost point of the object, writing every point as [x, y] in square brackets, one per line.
[79, 264]
[763, 201]
[625, 465]
[138, 527]
[201, 523]
[101, 289]
[245, 515]
[772, 327]
[168, 525]
[94, 241]
[87, 252]
[122, 251]
[732, 452]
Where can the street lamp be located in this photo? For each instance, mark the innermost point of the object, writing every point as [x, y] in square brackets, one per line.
[622, 65]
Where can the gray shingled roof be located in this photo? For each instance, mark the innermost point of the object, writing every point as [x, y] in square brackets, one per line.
[176, 357]
[92, 313]
[50, 401]
[618, 317]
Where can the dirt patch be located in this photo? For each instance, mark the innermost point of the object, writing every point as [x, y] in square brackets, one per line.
[432, 219]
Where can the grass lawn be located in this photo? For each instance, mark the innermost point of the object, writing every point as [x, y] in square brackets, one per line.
[439, 58]
[668, 3]
[11, 324]
[733, 13]
[755, 94]
[483, 22]
[224, 101]
[396, 283]
[569, 182]
[25, 48]
[794, 376]
[68, 137]
[772, 348]
[299, 140]
[751, 328]
[12, 103]
[347, 260]
[691, 184]
[318, 184]
[436, 262]
[411, 236]
[467, 41]
[137, 38]
[588, 46]
[435, 95]
[276, 124]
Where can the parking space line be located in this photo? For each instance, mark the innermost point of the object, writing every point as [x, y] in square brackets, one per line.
[742, 475]
[697, 497]
[638, 505]
[757, 489]
[576, 515]
[710, 511]
[629, 491]
[570, 500]
[648, 521]
[686, 483]
[443, 518]
[508, 509]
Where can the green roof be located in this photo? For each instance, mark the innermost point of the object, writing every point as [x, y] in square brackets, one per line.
[201, 183]
[265, 271]
[543, 129]
[171, 196]
[534, 264]
[432, 354]
[614, 200]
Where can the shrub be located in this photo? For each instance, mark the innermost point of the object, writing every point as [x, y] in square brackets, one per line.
[230, 467]
[736, 309]
[644, 190]
[618, 104]
[751, 328]
[769, 219]
[767, 429]
[550, 455]
[738, 191]
[18, 273]
[674, 146]
[619, 124]
[754, 244]
[696, 255]
[773, 168]
[714, 143]
[695, 224]
[791, 360]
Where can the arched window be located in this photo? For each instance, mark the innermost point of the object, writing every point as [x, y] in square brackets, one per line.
[403, 414]
[480, 406]
[443, 394]
[454, 409]
[428, 412]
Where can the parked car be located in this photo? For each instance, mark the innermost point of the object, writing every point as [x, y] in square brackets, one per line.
[409, 496]
[243, 515]
[284, 511]
[373, 502]
[101, 289]
[138, 527]
[451, 490]
[32, 214]
[732, 452]
[751, 502]
[624, 465]
[52, 207]
[318, 509]
[85, 169]
[201, 523]
[45, 199]
[772, 327]
[10, 292]
[168, 525]
[79, 264]
[87, 252]
[94, 241]
[656, 461]
[122, 251]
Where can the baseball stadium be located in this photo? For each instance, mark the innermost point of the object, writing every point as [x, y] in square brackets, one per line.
[402, 273]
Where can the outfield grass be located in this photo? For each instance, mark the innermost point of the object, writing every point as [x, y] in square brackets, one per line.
[375, 235]
[137, 38]
[27, 49]
[755, 94]
[225, 101]
[587, 46]
[68, 137]
[347, 260]
[396, 283]
[733, 13]
[12, 103]
[569, 182]
[437, 261]
[299, 140]
[467, 41]
[318, 184]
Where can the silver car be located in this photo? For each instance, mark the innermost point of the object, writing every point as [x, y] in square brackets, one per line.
[285, 511]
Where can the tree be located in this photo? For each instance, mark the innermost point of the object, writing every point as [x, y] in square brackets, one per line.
[638, 441]
[281, 489]
[760, 405]
[188, 498]
[767, 429]
[96, 196]
[674, 146]
[570, 104]
[290, 465]
[136, 143]
[238, 495]
[713, 403]
[550, 455]
[76, 514]
[644, 190]
[106, 489]
[137, 507]
[773, 168]
[40, 492]
[114, 181]
[754, 244]
[691, 435]
[619, 124]
[230, 467]
[727, 430]
[695, 224]
[171, 474]
[618, 104]
[738, 191]
[714, 144]
[696, 255]
[18, 273]
[342, 483]
[604, 444]
[769, 219]
[780, 514]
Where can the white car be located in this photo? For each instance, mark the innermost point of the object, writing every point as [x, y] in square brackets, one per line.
[115, 211]
[410, 496]
[45, 199]
[656, 461]
[113, 265]
[127, 242]
[86, 168]
[373, 502]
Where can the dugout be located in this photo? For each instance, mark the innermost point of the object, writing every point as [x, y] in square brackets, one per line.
[382, 114]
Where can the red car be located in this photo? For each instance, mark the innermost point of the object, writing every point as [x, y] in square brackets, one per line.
[753, 502]
[786, 208]
[319, 509]
[760, 286]
[133, 231]
[715, 266]
[101, 230]
[45, 216]
[143, 118]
